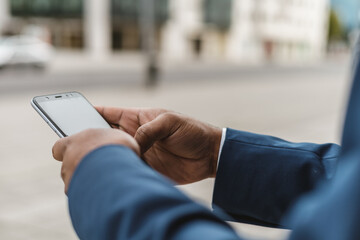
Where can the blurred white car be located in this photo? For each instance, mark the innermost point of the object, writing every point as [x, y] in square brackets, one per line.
[24, 50]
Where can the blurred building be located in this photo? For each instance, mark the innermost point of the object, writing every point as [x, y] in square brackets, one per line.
[246, 30]
[62, 18]
[98, 26]
[233, 30]
[4, 15]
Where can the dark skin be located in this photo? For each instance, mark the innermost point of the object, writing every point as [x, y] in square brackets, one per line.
[179, 147]
[71, 150]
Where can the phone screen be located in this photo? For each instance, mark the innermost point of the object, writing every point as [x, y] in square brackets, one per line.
[70, 113]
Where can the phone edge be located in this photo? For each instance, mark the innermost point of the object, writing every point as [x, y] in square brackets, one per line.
[33, 104]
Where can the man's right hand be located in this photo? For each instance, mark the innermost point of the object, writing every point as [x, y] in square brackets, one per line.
[181, 148]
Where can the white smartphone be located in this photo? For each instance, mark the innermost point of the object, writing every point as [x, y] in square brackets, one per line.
[68, 113]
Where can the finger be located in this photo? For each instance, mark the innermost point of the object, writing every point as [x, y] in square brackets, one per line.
[59, 149]
[160, 128]
[64, 176]
[125, 119]
[111, 114]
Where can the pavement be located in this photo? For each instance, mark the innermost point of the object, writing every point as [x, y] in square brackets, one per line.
[298, 103]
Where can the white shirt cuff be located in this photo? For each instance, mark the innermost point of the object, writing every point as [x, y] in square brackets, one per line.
[223, 136]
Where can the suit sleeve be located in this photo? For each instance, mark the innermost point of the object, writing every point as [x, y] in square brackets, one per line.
[332, 212]
[260, 177]
[114, 195]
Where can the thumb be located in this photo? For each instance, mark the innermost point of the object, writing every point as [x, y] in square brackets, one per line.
[158, 129]
[59, 148]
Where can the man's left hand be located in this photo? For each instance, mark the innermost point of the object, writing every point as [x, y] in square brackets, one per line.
[71, 150]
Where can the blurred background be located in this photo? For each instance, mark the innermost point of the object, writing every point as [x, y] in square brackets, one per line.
[278, 67]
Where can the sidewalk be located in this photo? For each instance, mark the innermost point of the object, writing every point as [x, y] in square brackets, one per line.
[66, 61]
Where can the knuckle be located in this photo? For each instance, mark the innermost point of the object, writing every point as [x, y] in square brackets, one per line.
[163, 110]
[142, 132]
[173, 120]
[171, 116]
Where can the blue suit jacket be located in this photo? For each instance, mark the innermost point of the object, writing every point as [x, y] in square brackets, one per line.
[114, 195]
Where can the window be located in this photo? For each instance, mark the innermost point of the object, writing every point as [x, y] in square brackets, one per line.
[47, 8]
[218, 13]
[129, 9]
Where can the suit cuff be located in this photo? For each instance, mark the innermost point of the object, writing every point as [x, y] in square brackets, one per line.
[223, 137]
[260, 177]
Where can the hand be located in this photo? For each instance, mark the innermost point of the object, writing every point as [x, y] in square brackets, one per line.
[71, 150]
[182, 148]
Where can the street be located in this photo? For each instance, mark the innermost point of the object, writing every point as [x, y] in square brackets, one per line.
[298, 103]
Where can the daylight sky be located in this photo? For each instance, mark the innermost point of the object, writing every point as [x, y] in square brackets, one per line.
[348, 11]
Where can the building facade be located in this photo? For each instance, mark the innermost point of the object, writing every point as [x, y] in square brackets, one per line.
[242, 31]
[246, 30]
[97, 26]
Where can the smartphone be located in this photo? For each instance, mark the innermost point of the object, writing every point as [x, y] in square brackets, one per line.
[68, 113]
